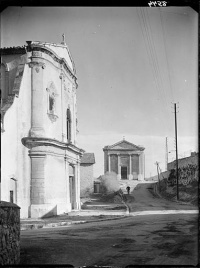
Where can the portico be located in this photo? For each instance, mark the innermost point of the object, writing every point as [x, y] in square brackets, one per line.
[125, 159]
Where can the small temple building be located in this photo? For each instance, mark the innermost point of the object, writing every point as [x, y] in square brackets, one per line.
[125, 159]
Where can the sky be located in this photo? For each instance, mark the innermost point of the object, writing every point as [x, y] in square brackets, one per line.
[132, 65]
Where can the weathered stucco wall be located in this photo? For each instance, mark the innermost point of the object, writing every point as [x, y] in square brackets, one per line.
[15, 162]
[65, 98]
[36, 172]
[87, 180]
[9, 233]
[57, 183]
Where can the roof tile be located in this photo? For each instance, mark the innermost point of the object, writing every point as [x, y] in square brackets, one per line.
[88, 158]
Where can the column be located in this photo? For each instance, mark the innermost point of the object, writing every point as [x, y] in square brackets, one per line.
[119, 167]
[130, 176]
[108, 163]
[141, 169]
[37, 102]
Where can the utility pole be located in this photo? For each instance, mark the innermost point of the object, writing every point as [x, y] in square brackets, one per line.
[176, 153]
[158, 175]
[166, 154]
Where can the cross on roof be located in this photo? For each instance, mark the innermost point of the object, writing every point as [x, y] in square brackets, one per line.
[63, 39]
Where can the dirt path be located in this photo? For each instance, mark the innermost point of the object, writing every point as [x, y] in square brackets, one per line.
[145, 199]
[142, 240]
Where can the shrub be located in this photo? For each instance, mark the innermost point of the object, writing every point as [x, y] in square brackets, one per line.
[187, 175]
[109, 183]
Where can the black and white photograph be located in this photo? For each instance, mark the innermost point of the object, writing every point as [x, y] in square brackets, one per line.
[99, 135]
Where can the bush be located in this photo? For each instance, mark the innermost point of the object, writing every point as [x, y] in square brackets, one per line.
[109, 183]
[186, 175]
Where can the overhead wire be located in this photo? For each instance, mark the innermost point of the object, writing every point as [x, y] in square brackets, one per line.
[159, 74]
[151, 51]
[164, 39]
[151, 54]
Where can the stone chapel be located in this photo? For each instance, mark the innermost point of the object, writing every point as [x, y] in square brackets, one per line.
[125, 159]
[40, 158]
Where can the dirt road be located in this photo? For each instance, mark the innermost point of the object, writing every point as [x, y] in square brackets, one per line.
[148, 239]
[157, 239]
[145, 199]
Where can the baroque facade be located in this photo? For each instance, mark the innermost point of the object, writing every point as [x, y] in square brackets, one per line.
[125, 159]
[40, 167]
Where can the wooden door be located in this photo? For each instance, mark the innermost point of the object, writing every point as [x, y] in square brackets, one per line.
[124, 173]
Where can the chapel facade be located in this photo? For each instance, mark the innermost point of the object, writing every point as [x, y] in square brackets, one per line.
[125, 159]
[40, 167]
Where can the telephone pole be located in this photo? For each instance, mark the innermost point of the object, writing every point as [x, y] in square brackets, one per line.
[166, 154]
[176, 152]
[158, 175]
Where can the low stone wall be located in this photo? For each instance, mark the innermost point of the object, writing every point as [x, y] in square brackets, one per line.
[184, 162]
[9, 233]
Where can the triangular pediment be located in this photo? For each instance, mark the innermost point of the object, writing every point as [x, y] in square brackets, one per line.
[125, 145]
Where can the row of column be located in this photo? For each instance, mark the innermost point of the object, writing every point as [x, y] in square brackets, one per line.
[141, 166]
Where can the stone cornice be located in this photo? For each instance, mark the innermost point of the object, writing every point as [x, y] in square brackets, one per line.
[127, 153]
[37, 64]
[119, 146]
[31, 142]
[37, 47]
[119, 151]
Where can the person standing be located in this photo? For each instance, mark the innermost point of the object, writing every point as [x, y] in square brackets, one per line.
[128, 189]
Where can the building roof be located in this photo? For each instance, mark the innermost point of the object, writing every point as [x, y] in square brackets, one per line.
[60, 52]
[88, 158]
[13, 50]
[60, 49]
[124, 145]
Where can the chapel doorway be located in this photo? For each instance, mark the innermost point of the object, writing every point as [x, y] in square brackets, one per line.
[124, 170]
[72, 191]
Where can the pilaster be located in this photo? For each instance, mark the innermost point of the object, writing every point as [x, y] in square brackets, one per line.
[77, 203]
[130, 176]
[37, 102]
[108, 162]
[67, 181]
[37, 191]
[141, 167]
[62, 112]
[119, 167]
